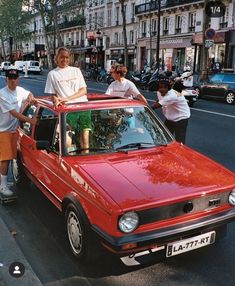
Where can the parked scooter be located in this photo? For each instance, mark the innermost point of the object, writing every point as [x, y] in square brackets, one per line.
[141, 79]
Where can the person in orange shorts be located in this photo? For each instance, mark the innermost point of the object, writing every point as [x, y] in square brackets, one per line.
[12, 97]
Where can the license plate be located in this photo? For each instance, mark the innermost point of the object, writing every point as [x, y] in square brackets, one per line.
[189, 244]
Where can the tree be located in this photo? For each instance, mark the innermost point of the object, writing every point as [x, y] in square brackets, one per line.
[13, 25]
[123, 12]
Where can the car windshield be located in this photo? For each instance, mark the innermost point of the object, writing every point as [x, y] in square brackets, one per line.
[217, 78]
[113, 130]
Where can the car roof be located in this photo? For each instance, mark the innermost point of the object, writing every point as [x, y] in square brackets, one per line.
[95, 100]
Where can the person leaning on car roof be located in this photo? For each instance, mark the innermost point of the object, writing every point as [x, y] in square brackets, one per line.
[174, 107]
[12, 97]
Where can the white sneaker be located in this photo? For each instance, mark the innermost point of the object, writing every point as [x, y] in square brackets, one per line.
[6, 191]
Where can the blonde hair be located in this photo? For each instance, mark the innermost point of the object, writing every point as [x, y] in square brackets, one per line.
[59, 50]
[120, 69]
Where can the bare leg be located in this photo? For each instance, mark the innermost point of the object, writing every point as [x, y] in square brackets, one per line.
[4, 165]
[84, 140]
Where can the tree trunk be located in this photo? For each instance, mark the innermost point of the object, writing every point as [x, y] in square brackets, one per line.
[124, 32]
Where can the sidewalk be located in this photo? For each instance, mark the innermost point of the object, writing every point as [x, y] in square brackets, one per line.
[9, 253]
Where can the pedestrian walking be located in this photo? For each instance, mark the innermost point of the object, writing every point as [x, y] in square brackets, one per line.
[174, 107]
[12, 97]
[122, 86]
[66, 83]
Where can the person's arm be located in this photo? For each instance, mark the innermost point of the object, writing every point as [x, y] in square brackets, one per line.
[82, 91]
[156, 105]
[22, 117]
[142, 98]
[31, 99]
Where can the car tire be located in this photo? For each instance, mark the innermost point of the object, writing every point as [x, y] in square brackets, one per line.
[82, 244]
[18, 173]
[230, 97]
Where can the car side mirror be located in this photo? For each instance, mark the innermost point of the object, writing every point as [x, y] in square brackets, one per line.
[43, 145]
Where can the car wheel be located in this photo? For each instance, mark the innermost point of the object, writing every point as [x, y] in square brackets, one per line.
[79, 234]
[230, 97]
[18, 172]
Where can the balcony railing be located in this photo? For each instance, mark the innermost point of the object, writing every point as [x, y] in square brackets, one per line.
[153, 5]
[73, 23]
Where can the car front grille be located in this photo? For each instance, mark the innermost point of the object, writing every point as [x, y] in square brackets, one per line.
[182, 208]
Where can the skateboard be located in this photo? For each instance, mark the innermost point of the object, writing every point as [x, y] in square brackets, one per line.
[7, 199]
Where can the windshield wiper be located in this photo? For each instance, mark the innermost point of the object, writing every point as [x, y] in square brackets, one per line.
[89, 149]
[138, 145]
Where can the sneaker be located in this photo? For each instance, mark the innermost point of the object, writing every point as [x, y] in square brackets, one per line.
[6, 191]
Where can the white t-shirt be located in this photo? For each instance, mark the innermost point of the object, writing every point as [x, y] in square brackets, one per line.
[65, 82]
[124, 88]
[174, 106]
[11, 100]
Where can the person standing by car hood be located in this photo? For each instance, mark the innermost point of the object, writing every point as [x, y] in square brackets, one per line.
[12, 98]
[174, 107]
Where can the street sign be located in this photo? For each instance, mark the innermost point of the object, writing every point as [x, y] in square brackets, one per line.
[209, 43]
[210, 34]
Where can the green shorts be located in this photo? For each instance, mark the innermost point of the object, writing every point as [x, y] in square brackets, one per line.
[80, 120]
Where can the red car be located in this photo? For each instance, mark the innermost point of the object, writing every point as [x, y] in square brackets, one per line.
[134, 189]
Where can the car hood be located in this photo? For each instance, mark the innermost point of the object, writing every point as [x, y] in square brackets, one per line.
[155, 176]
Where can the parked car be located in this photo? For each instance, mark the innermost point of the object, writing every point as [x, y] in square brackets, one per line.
[19, 65]
[220, 85]
[135, 190]
[33, 67]
[5, 66]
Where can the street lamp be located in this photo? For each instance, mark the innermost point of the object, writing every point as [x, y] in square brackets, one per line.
[27, 50]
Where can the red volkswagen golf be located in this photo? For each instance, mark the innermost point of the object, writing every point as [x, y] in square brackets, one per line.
[131, 188]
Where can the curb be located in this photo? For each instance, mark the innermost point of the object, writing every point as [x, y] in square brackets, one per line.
[9, 253]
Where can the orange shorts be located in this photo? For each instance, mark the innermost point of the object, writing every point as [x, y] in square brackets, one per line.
[8, 147]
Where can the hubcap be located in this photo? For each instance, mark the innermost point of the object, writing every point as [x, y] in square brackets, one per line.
[230, 97]
[15, 170]
[74, 232]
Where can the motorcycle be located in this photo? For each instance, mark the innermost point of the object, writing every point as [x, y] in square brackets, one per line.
[141, 79]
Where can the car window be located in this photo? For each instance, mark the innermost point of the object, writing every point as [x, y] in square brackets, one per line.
[217, 78]
[29, 112]
[47, 128]
[229, 78]
[108, 130]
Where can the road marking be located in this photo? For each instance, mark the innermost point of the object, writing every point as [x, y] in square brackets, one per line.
[212, 112]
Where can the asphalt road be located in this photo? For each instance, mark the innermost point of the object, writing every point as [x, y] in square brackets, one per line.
[40, 231]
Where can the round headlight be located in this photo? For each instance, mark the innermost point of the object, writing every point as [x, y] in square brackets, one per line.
[231, 198]
[128, 222]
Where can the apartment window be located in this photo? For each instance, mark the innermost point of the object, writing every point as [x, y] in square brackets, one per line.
[117, 15]
[154, 27]
[131, 37]
[192, 21]
[95, 20]
[165, 25]
[132, 12]
[224, 19]
[109, 17]
[178, 24]
[143, 28]
[116, 38]
[101, 20]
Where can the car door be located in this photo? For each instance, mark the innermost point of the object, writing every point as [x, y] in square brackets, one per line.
[50, 170]
[217, 85]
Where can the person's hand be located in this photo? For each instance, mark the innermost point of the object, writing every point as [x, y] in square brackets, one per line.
[58, 101]
[31, 99]
[33, 120]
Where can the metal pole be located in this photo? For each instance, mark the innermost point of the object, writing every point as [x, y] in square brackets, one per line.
[204, 68]
[158, 35]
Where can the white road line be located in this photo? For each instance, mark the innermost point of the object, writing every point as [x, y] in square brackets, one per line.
[212, 112]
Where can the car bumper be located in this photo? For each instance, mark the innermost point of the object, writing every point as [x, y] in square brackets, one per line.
[165, 235]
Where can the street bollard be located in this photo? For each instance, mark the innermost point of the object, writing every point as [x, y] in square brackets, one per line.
[26, 70]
